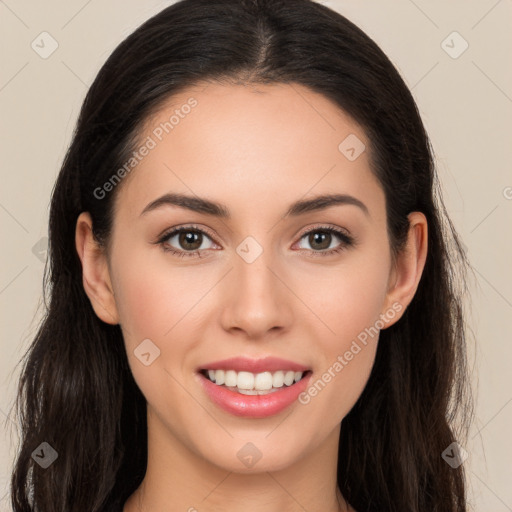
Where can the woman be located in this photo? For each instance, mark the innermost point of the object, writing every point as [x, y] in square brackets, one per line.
[253, 296]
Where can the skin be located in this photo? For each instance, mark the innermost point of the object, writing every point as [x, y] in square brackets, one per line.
[240, 146]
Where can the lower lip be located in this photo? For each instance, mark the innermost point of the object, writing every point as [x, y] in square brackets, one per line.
[253, 406]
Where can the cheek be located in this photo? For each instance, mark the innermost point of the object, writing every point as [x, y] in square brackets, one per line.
[352, 298]
[157, 302]
[153, 296]
[351, 307]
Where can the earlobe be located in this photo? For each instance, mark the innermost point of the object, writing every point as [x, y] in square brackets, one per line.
[409, 266]
[95, 272]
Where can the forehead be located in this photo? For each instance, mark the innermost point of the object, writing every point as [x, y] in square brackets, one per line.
[249, 142]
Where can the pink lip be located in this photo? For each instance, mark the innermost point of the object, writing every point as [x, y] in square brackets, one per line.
[254, 406]
[243, 364]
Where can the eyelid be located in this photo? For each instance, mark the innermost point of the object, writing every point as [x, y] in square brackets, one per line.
[336, 229]
[345, 237]
[192, 227]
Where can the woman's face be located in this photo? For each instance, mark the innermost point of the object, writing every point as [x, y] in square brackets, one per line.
[251, 283]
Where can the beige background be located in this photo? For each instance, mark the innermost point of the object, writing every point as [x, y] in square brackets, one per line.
[465, 102]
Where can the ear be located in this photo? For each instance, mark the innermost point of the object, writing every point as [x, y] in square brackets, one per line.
[95, 271]
[406, 273]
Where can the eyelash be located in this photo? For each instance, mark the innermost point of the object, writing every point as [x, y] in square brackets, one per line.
[346, 240]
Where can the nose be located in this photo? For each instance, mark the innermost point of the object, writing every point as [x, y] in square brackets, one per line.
[256, 298]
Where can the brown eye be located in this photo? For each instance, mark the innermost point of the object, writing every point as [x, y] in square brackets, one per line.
[190, 240]
[320, 240]
[186, 241]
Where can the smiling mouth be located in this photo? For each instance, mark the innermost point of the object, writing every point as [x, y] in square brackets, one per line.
[247, 383]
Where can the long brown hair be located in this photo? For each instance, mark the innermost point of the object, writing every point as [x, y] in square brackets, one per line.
[76, 391]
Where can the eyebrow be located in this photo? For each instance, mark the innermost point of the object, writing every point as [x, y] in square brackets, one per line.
[208, 207]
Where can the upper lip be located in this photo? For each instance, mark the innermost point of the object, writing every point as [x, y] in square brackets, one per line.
[244, 364]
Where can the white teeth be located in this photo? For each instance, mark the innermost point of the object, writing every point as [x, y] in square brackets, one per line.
[289, 378]
[219, 377]
[245, 380]
[249, 383]
[231, 378]
[247, 391]
[278, 379]
[253, 391]
[263, 381]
